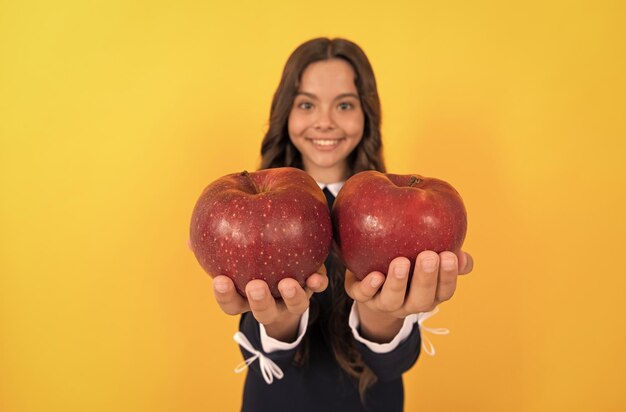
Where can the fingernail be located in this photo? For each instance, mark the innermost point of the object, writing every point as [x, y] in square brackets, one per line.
[401, 272]
[289, 292]
[429, 265]
[221, 287]
[257, 294]
[376, 282]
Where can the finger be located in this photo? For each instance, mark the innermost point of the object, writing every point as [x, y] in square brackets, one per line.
[227, 297]
[317, 282]
[296, 299]
[424, 283]
[394, 290]
[363, 290]
[262, 303]
[466, 263]
[448, 272]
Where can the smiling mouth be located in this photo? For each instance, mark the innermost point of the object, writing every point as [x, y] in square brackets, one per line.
[327, 143]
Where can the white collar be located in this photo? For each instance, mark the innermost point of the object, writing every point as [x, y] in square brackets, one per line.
[334, 188]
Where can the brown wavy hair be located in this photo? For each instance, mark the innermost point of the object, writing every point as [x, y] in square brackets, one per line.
[278, 151]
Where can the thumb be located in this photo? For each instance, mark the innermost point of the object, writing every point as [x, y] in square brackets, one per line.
[466, 263]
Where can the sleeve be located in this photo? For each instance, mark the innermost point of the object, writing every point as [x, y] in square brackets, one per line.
[281, 353]
[270, 344]
[389, 360]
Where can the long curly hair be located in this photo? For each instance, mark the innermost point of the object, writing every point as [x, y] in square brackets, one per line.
[278, 151]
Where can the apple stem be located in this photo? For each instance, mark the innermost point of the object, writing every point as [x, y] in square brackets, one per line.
[414, 180]
[245, 174]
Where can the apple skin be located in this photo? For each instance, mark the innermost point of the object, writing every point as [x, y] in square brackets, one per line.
[380, 216]
[269, 225]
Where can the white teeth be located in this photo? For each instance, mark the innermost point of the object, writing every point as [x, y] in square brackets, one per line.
[325, 142]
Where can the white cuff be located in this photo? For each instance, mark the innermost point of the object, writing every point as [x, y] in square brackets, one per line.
[405, 331]
[270, 344]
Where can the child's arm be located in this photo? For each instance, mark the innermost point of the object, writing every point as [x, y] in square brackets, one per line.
[434, 281]
[280, 317]
[284, 320]
[387, 337]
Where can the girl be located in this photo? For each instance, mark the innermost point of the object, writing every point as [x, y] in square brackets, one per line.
[341, 343]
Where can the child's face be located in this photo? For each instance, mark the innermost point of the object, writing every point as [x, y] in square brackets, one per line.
[326, 121]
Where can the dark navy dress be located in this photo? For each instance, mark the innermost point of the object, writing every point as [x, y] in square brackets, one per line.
[321, 384]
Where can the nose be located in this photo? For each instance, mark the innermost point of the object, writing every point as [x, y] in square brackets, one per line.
[324, 120]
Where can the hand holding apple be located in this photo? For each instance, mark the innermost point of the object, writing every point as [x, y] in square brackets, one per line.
[269, 225]
[378, 217]
[383, 301]
[280, 316]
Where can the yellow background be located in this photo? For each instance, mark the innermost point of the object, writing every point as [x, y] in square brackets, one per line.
[114, 115]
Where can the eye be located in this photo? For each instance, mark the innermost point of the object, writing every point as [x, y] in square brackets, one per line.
[345, 106]
[305, 105]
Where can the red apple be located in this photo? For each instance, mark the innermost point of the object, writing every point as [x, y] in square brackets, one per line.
[378, 217]
[269, 225]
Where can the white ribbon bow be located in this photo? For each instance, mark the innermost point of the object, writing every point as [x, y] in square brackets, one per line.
[269, 369]
[427, 344]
